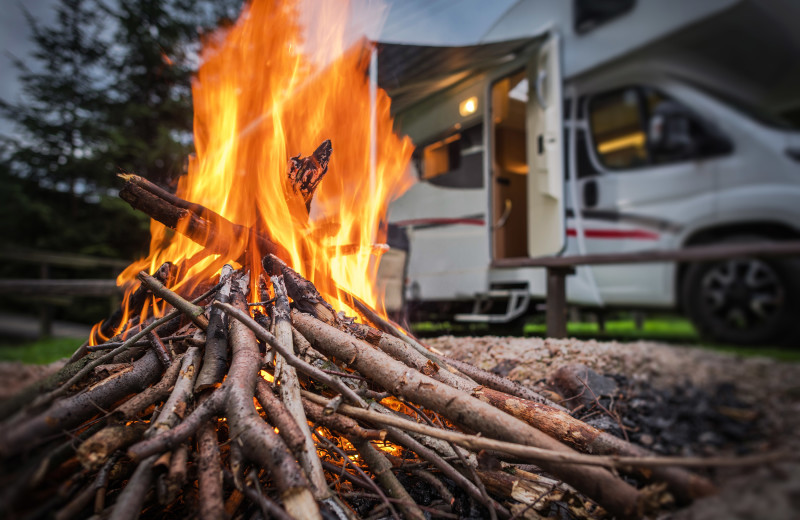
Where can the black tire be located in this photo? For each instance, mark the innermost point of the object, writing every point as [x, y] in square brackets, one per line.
[744, 301]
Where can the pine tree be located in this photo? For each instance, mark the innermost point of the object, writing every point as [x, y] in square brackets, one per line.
[156, 44]
[59, 118]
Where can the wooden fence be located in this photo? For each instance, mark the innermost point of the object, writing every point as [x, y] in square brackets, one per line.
[559, 267]
[49, 291]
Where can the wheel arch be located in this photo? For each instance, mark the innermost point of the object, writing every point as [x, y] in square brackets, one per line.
[771, 230]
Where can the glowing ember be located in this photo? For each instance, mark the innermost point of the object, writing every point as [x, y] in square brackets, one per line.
[265, 92]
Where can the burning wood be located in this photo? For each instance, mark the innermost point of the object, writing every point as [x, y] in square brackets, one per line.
[125, 424]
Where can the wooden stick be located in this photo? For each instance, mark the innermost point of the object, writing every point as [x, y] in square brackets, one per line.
[410, 356]
[501, 384]
[340, 423]
[84, 498]
[163, 355]
[301, 291]
[209, 474]
[181, 397]
[49, 397]
[398, 436]
[269, 509]
[174, 437]
[290, 391]
[196, 222]
[129, 503]
[155, 393]
[382, 470]
[279, 416]
[95, 450]
[72, 411]
[114, 344]
[192, 311]
[135, 302]
[363, 478]
[215, 357]
[176, 475]
[264, 446]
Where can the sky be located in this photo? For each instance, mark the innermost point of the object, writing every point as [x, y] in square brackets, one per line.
[431, 22]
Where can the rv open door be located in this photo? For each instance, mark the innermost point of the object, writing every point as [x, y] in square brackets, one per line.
[546, 232]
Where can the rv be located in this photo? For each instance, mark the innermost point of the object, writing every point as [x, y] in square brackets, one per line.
[642, 125]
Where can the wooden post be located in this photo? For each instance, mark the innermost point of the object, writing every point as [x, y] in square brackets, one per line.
[45, 309]
[557, 301]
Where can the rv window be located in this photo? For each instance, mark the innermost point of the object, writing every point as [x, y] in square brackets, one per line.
[620, 121]
[455, 161]
[618, 129]
[591, 13]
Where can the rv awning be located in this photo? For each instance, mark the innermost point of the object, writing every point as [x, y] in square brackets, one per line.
[410, 73]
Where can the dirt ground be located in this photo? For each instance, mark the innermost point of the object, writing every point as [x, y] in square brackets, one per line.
[771, 388]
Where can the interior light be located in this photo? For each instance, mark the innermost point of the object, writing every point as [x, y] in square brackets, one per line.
[468, 106]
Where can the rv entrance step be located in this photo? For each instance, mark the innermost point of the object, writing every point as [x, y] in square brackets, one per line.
[516, 304]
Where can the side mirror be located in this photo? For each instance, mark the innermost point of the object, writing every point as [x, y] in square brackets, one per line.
[670, 132]
[674, 133]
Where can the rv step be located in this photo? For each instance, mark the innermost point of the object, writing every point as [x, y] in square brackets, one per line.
[518, 300]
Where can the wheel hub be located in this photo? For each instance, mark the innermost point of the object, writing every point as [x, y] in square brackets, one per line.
[742, 293]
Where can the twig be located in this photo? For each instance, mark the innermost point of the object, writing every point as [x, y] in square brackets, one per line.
[606, 410]
[192, 311]
[114, 344]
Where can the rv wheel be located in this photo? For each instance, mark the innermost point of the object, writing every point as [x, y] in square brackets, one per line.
[745, 301]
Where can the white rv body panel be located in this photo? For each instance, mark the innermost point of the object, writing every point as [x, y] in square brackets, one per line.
[650, 20]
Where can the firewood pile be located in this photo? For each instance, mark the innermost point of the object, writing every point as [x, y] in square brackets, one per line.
[273, 405]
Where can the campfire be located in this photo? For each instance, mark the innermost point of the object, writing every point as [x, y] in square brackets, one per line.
[250, 371]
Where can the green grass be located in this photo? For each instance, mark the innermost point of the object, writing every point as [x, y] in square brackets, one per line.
[40, 352]
[670, 329]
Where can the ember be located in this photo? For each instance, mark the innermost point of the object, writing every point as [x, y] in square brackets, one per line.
[305, 401]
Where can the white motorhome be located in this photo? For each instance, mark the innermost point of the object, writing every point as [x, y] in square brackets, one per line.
[641, 125]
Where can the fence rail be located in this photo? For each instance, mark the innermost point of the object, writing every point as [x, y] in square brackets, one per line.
[559, 267]
[45, 288]
[48, 287]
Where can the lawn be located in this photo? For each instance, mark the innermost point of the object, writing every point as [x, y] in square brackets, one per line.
[40, 352]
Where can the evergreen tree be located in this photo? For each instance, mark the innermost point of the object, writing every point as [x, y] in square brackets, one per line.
[59, 119]
[155, 52]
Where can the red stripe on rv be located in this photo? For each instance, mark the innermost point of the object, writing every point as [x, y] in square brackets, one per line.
[440, 222]
[635, 234]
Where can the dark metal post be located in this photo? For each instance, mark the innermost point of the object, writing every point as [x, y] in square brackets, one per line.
[557, 301]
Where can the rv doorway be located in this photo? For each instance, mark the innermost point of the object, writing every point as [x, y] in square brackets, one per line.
[509, 167]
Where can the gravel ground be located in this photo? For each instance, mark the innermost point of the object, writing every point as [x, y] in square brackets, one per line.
[770, 387]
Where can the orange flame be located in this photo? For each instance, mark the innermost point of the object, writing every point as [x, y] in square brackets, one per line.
[264, 93]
